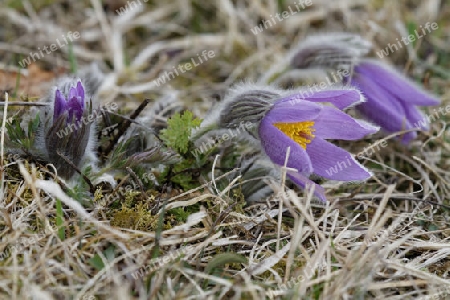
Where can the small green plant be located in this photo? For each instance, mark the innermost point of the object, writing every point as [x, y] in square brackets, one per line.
[18, 137]
[179, 130]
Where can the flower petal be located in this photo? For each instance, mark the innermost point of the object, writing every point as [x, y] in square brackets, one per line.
[396, 83]
[380, 109]
[72, 93]
[335, 124]
[74, 107]
[300, 112]
[80, 92]
[305, 183]
[341, 98]
[416, 117]
[332, 162]
[275, 144]
[60, 105]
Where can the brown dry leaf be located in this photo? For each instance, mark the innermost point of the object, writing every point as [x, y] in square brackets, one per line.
[33, 83]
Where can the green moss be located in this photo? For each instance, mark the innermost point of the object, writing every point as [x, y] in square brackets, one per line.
[180, 213]
[134, 218]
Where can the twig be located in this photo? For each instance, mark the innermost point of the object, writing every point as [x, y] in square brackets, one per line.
[2, 143]
[91, 186]
[15, 103]
[124, 126]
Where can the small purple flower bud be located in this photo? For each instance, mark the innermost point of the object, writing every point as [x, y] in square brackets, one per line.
[67, 132]
[74, 104]
[336, 50]
[68, 135]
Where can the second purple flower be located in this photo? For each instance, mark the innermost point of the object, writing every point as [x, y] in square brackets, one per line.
[392, 98]
[304, 125]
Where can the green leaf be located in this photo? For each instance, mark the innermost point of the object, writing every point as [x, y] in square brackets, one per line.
[411, 26]
[179, 130]
[72, 60]
[17, 137]
[97, 261]
[60, 220]
[222, 259]
[432, 227]
[184, 177]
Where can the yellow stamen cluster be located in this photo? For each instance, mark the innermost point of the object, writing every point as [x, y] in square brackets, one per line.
[300, 132]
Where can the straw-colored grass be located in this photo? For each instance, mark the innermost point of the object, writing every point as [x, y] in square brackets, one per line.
[388, 238]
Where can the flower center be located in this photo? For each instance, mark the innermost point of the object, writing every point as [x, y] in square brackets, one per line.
[300, 132]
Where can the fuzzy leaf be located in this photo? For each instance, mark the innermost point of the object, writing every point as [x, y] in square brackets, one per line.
[179, 130]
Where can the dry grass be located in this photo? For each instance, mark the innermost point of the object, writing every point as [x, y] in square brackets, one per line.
[385, 239]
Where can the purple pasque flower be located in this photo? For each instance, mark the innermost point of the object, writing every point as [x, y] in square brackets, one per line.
[304, 124]
[392, 99]
[68, 136]
[73, 104]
